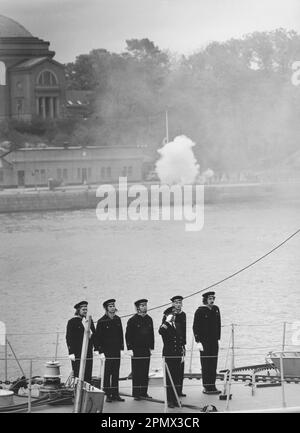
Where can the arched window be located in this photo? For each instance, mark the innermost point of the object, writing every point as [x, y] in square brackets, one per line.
[2, 74]
[47, 79]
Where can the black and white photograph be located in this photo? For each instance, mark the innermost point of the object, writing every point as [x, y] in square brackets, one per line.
[149, 209]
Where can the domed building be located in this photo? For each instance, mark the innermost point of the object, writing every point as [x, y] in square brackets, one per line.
[31, 82]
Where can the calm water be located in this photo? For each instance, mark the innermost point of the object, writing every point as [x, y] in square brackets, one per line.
[49, 261]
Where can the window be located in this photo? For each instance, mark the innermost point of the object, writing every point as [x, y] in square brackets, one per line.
[89, 172]
[47, 106]
[127, 171]
[43, 175]
[47, 79]
[102, 172]
[55, 107]
[65, 174]
[36, 176]
[1, 176]
[58, 172]
[108, 171]
[84, 175]
[78, 174]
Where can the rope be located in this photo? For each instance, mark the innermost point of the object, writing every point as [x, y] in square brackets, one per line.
[212, 285]
[231, 275]
[246, 267]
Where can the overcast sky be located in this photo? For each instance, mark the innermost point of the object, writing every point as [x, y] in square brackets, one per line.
[75, 27]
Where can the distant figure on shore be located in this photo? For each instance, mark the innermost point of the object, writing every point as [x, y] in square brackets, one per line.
[180, 320]
[140, 341]
[74, 339]
[207, 332]
[173, 351]
[109, 341]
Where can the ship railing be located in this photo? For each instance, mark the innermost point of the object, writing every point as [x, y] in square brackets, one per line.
[229, 381]
[233, 351]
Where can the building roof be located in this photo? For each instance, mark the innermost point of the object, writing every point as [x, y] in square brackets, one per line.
[75, 154]
[11, 29]
[30, 63]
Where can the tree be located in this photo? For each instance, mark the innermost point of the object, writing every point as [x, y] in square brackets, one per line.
[234, 98]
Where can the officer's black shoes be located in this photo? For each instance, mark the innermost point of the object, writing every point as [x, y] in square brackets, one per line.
[182, 395]
[215, 391]
[206, 391]
[109, 399]
[118, 398]
[173, 404]
[141, 397]
[211, 391]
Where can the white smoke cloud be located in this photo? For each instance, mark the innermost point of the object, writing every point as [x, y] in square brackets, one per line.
[177, 163]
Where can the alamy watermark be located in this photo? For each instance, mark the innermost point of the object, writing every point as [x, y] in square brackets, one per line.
[156, 202]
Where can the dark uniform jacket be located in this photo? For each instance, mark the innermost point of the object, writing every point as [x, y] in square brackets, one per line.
[139, 333]
[109, 335]
[74, 336]
[172, 338]
[180, 319]
[207, 324]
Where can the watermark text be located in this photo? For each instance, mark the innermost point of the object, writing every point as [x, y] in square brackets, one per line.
[156, 202]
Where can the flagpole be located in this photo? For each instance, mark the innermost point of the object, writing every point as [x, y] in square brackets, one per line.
[167, 127]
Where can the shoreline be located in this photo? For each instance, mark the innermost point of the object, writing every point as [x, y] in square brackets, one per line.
[84, 197]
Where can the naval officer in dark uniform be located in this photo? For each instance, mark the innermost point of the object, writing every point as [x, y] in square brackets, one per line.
[109, 341]
[140, 340]
[180, 319]
[207, 332]
[173, 351]
[74, 339]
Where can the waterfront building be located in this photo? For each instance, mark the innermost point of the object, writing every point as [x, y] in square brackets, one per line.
[32, 85]
[70, 165]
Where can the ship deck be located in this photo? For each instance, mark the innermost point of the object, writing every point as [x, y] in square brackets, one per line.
[263, 398]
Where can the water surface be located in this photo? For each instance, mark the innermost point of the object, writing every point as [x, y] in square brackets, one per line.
[50, 261]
